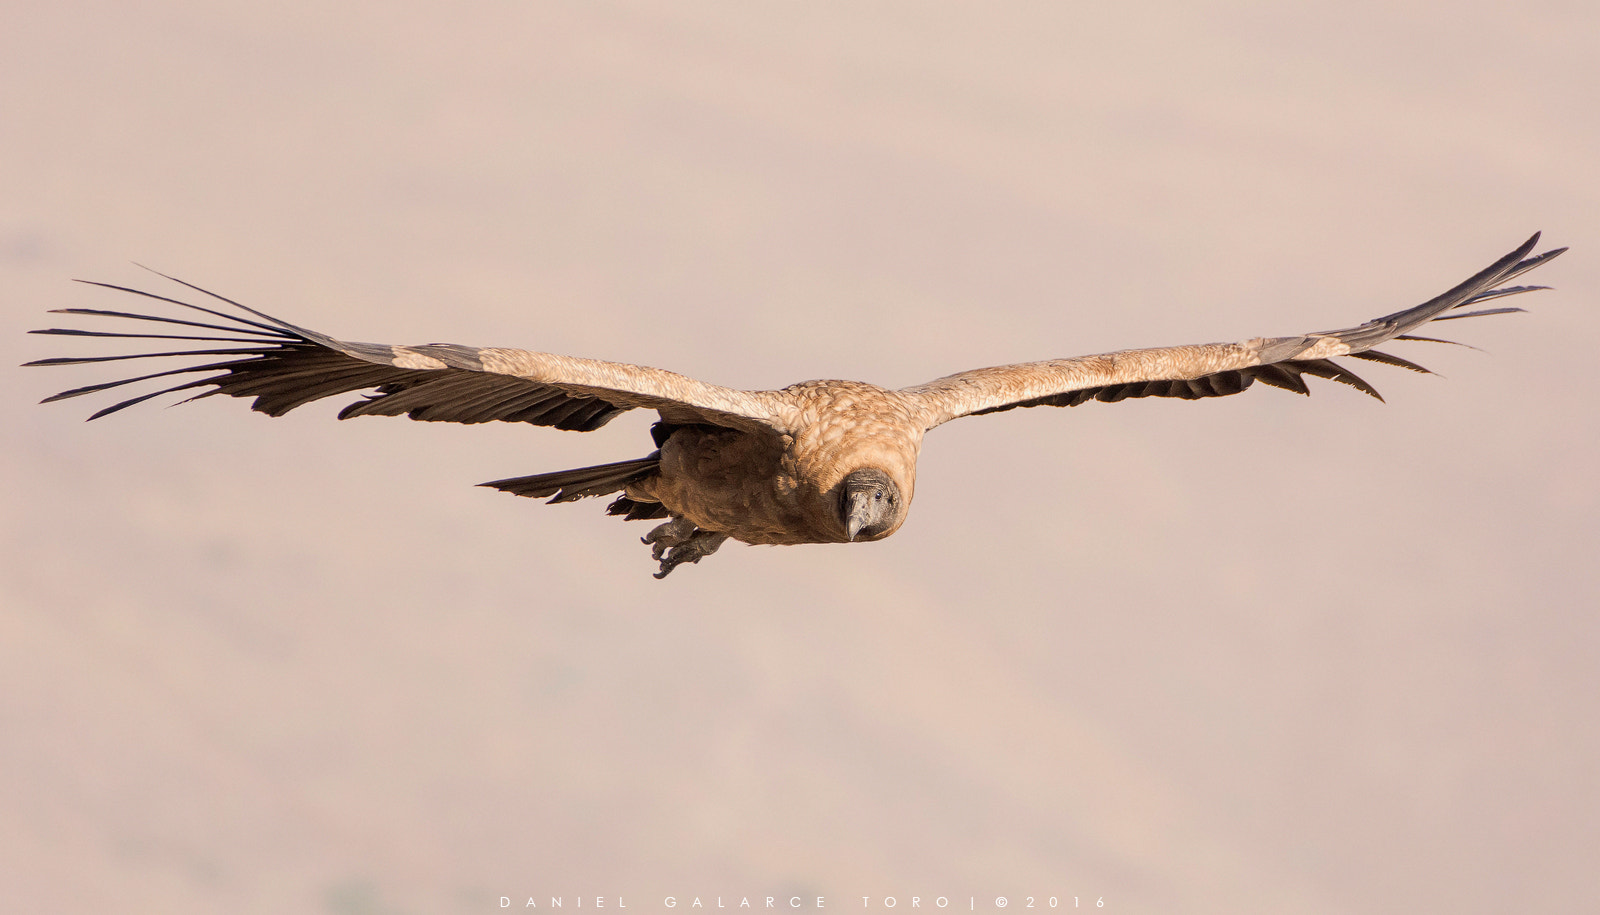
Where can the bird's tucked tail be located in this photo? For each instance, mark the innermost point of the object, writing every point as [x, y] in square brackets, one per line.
[571, 485]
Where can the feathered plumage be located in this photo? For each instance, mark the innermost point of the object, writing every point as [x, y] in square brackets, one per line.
[816, 462]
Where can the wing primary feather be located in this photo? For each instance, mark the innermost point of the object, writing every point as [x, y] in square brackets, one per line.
[107, 385]
[1373, 355]
[103, 313]
[1488, 279]
[79, 360]
[308, 334]
[1512, 264]
[1434, 340]
[1529, 263]
[1478, 314]
[276, 327]
[1501, 293]
[144, 397]
[74, 332]
[130, 402]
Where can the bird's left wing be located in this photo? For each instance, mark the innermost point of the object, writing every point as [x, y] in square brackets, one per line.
[251, 354]
[1216, 369]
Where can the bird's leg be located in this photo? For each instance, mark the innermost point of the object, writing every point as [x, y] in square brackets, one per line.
[670, 534]
[697, 547]
[678, 541]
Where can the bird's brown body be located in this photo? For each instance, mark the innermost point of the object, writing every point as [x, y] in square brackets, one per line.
[816, 462]
[782, 488]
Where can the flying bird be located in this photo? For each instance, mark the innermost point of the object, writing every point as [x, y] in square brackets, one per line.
[815, 462]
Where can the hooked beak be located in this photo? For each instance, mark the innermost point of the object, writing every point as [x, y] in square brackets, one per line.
[860, 513]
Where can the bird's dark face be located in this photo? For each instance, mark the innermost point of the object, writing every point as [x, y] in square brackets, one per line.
[870, 504]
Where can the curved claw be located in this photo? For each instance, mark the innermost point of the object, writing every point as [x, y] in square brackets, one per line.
[693, 549]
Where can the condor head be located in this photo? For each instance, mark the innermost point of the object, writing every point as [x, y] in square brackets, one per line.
[870, 505]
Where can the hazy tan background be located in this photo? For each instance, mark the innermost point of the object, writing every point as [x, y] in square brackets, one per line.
[1261, 654]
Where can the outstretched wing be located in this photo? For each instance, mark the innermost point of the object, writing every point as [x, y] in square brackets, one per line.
[1217, 369]
[251, 354]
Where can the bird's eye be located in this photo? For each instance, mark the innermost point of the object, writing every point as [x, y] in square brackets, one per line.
[878, 495]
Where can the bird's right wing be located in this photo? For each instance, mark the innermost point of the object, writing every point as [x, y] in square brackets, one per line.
[1217, 369]
[284, 366]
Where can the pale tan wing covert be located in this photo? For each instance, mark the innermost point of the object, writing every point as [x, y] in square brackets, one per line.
[1215, 369]
[283, 367]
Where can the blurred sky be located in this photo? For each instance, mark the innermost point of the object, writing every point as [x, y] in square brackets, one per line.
[1260, 654]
